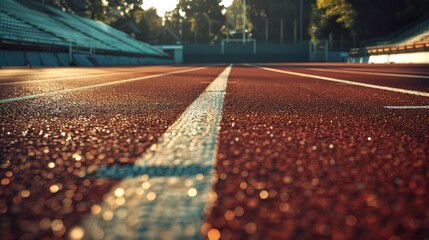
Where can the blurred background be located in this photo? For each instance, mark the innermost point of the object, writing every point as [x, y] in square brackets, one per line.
[275, 30]
[189, 20]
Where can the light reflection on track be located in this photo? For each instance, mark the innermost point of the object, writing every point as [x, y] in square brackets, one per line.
[298, 157]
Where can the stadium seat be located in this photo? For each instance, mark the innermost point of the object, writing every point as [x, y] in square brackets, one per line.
[33, 23]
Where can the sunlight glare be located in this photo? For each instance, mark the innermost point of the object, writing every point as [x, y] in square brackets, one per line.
[168, 5]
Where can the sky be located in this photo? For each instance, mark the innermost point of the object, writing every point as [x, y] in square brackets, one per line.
[167, 5]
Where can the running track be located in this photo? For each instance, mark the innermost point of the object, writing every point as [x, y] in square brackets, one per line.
[272, 151]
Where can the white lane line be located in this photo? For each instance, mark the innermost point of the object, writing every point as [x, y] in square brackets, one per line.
[97, 85]
[406, 107]
[64, 78]
[170, 204]
[39, 74]
[391, 89]
[376, 70]
[370, 73]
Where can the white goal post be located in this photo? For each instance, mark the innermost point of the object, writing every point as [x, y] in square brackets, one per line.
[236, 41]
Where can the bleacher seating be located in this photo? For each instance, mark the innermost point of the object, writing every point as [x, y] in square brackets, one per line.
[422, 38]
[15, 29]
[32, 22]
[411, 39]
[112, 33]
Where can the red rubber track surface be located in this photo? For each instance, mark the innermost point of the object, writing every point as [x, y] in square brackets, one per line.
[410, 83]
[72, 78]
[104, 126]
[298, 158]
[301, 158]
[418, 69]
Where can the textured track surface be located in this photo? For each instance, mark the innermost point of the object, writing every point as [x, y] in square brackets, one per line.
[50, 144]
[304, 158]
[298, 157]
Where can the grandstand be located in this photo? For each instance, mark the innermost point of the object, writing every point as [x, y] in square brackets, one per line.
[409, 45]
[38, 35]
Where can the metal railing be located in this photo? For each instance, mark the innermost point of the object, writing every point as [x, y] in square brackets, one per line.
[414, 29]
[238, 41]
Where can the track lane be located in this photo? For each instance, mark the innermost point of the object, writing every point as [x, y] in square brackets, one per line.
[52, 145]
[169, 203]
[372, 73]
[41, 87]
[7, 75]
[301, 158]
[418, 69]
[36, 75]
[405, 82]
[87, 76]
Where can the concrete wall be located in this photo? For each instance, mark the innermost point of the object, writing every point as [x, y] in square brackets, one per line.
[415, 57]
[10, 58]
[237, 52]
[337, 56]
[175, 51]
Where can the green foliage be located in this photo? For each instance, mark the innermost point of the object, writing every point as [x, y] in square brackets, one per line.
[176, 27]
[154, 25]
[332, 16]
[364, 19]
[107, 11]
[202, 19]
[264, 19]
[269, 14]
[342, 10]
[205, 20]
[143, 25]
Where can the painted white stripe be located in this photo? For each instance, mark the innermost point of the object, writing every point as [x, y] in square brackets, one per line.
[43, 73]
[170, 204]
[370, 73]
[65, 78]
[31, 73]
[391, 89]
[96, 85]
[406, 107]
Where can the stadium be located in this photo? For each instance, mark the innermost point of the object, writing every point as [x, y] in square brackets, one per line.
[214, 119]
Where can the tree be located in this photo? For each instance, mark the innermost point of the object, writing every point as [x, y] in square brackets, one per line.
[154, 23]
[342, 10]
[104, 10]
[332, 17]
[234, 19]
[364, 19]
[265, 18]
[144, 25]
[176, 27]
[202, 20]
[73, 6]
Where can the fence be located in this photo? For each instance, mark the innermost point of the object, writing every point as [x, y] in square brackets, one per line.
[251, 52]
[402, 36]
